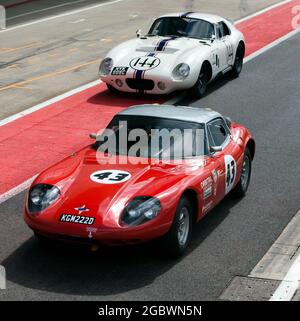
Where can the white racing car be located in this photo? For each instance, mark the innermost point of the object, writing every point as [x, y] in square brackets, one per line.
[182, 51]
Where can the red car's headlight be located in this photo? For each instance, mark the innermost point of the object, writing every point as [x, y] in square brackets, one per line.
[42, 196]
[140, 210]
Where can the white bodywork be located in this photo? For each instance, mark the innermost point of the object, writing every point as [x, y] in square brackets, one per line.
[159, 66]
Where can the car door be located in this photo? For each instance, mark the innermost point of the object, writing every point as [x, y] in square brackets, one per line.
[209, 180]
[226, 46]
[228, 42]
[229, 156]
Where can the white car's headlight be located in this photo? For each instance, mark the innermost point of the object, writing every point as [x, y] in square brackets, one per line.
[42, 196]
[181, 71]
[105, 67]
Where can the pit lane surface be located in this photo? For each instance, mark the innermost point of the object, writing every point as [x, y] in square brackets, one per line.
[228, 242]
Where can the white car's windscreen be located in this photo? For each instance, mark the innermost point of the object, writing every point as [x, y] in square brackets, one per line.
[182, 27]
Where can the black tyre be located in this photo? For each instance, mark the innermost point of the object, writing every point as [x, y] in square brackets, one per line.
[112, 89]
[178, 238]
[241, 188]
[199, 89]
[238, 63]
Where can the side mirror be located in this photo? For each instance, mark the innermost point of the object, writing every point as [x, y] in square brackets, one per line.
[93, 136]
[139, 33]
[228, 121]
[215, 149]
[213, 38]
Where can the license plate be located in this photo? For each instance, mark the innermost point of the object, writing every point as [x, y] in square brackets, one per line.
[77, 219]
[119, 71]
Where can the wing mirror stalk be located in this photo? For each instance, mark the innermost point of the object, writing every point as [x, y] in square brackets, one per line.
[139, 33]
[215, 149]
[93, 136]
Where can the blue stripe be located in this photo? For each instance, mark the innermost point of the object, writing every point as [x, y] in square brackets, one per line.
[185, 15]
[138, 74]
[162, 43]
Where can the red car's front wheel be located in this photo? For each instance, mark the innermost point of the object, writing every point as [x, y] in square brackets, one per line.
[178, 238]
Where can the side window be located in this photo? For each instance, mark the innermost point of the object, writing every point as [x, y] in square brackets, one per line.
[226, 30]
[223, 29]
[220, 28]
[219, 31]
[218, 132]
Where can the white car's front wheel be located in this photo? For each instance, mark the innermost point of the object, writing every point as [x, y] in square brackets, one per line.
[112, 89]
[199, 89]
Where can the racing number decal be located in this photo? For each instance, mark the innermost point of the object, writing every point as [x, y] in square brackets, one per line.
[144, 63]
[110, 177]
[230, 168]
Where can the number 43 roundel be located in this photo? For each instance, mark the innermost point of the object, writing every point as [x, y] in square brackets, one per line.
[230, 170]
[110, 176]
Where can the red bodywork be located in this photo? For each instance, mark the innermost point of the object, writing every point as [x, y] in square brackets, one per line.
[203, 181]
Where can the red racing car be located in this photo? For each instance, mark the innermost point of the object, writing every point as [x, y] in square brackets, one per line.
[151, 174]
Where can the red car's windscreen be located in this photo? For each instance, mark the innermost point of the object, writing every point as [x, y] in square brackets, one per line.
[153, 137]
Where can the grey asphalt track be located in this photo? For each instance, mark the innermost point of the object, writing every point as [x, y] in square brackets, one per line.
[228, 242]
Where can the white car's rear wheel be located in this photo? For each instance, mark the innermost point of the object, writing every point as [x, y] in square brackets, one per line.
[238, 63]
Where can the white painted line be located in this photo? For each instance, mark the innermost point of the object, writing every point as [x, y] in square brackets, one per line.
[77, 21]
[48, 102]
[16, 190]
[262, 11]
[289, 285]
[62, 15]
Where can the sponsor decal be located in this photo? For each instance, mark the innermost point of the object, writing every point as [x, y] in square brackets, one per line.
[81, 209]
[214, 175]
[112, 176]
[206, 182]
[119, 71]
[77, 219]
[207, 192]
[230, 173]
[207, 207]
[144, 63]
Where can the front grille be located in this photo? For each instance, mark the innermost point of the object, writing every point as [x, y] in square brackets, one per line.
[140, 84]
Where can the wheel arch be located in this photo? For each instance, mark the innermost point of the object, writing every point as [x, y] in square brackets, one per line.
[208, 65]
[192, 196]
[251, 146]
[243, 45]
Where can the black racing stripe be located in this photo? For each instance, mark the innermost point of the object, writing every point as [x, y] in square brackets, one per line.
[185, 15]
